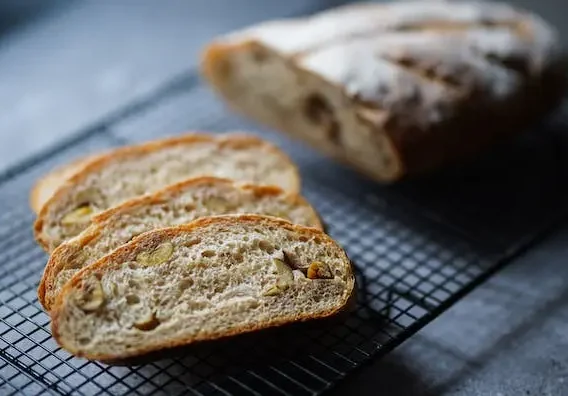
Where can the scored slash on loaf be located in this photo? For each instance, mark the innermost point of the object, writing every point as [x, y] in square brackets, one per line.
[394, 89]
[128, 172]
[175, 205]
[213, 278]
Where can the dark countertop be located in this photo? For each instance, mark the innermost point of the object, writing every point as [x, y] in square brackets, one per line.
[508, 337]
[65, 68]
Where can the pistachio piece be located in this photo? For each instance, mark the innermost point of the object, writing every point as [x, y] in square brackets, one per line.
[78, 215]
[272, 291]
[91, 297]
[143, 258]
[76, 260]
[285, 278]
[319, 270]
[159, 255]
[163, 252]
[147, 322]
[285, 274]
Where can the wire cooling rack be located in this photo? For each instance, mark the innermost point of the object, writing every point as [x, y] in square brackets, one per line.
[417, 248]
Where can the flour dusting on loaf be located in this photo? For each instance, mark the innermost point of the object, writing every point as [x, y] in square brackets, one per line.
[396, 88]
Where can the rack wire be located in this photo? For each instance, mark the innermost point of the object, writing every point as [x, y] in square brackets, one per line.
[417, 248]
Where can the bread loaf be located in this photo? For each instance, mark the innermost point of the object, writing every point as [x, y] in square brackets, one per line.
[213, 278]
[394, 89]
[45, 187]
[177, 204]
[128, 172]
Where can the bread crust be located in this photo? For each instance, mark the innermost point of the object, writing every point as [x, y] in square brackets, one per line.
[235, 139]
[61, 255]
[157, 237]
[53, 180]
[486, 59]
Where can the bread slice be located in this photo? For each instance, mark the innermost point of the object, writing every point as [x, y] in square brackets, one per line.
[394, 89]
[177, 204]
[45, 187]
[129, 172]
[215, 277]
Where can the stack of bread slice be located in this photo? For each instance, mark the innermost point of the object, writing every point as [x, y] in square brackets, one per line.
[180, 240]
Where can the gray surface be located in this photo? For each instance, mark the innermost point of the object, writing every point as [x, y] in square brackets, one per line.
[507, 338]
[82, 60]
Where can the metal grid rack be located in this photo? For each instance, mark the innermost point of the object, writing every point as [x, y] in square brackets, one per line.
[417, 248]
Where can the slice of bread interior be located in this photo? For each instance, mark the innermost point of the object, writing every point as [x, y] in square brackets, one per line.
[129, 172]
[45, 187]
[175, 205]
[215, 277]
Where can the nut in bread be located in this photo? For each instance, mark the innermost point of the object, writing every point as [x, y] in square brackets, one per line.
[156, 256]
[177, 302]
[394, 89]
[174, 205]
[45, 187]
[128, 172]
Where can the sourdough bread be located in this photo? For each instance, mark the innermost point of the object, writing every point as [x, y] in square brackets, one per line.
[213, 278]
[175, 205]
[398, 88]
[129, 172]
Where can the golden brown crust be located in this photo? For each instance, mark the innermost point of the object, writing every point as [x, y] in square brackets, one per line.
[61, 255]
[154, 238]
[287, 333]
[235, 140]
[57, 260]
[55, 177]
